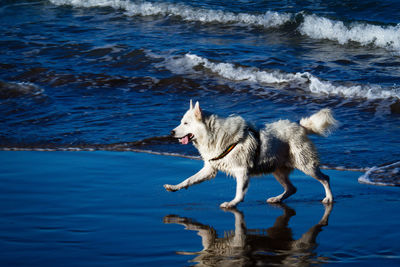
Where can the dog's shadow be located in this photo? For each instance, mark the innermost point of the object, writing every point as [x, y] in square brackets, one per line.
[248, 247]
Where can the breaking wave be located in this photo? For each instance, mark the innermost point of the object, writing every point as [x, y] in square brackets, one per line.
[268, 19]
[313, 26]
[300, 80]
[387, 37]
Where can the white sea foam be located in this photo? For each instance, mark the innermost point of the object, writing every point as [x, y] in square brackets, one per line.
[302, 80]
[387, 175]
[365, 34]
[267, 19]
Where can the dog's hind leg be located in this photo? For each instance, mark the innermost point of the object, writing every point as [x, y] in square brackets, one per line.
[324, 180]
[282, 176]
[242, 184]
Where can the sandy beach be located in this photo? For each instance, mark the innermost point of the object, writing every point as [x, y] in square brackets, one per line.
[110, 209]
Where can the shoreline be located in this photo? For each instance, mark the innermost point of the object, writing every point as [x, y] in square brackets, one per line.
[170, 154]
[370, 175]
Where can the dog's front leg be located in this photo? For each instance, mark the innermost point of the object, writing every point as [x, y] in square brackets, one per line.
[242, 183]
[206, 173]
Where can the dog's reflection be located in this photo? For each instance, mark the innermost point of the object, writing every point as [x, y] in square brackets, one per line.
[247, 247]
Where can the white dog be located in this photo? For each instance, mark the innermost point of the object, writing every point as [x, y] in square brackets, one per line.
[239, 149]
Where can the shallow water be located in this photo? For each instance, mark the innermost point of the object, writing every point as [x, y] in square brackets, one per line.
[110, 209]
[118, 75]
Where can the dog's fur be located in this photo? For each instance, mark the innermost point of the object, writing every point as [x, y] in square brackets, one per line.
[278, 148]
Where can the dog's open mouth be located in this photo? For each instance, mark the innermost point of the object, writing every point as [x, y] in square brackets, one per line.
[186, 139]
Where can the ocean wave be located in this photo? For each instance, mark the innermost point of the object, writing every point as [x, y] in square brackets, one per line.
[313, 26]
[387, 37]
[17, 89]
[305, 81]
[386, 175]
[187, 13]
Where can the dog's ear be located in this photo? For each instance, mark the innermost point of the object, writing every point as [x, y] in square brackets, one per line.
[191, 104]
[197, 111]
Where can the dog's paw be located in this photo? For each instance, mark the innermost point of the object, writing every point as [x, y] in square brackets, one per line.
[227, 205]
[327, 200]
[274, 200]
[170, 188]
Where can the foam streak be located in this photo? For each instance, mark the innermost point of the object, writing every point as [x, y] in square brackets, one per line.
[387, 175]
[303, 80]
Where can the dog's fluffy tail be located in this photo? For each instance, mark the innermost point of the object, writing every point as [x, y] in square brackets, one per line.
[321, 123]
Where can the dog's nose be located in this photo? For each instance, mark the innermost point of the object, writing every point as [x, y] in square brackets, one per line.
[172, 133]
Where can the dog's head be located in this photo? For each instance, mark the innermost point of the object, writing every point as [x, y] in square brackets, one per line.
[192, 127]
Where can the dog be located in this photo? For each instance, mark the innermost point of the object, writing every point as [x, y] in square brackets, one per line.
[241, 150]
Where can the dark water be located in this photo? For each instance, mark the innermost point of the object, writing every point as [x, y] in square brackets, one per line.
[118, 75]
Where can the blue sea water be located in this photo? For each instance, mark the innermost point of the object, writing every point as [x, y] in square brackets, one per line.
[102, 209]
[118, 74]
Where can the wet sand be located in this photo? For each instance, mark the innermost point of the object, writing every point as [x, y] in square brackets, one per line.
[110, 209]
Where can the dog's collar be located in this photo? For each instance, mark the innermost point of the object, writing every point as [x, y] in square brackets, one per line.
[226, 152]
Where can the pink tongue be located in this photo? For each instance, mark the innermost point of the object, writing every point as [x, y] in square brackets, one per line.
[184, 140]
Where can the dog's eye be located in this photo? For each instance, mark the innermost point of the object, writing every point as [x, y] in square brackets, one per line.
[185, 123]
